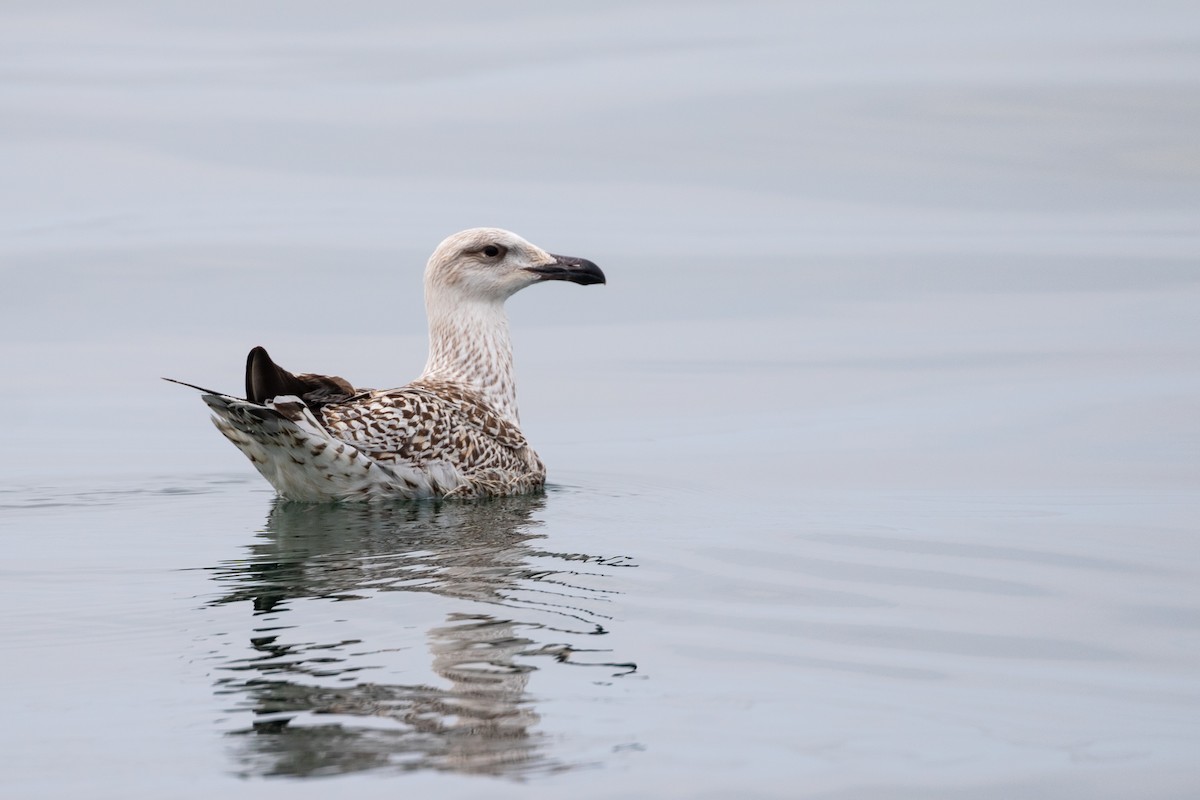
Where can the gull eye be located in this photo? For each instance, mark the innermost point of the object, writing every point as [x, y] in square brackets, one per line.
[492, 251]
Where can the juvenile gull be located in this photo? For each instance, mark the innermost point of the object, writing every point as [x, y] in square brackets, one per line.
[453, 432]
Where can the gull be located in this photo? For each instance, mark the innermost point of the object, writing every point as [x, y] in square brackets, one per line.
[453, 432]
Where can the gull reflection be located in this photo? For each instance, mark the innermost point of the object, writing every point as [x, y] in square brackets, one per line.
[313, 677]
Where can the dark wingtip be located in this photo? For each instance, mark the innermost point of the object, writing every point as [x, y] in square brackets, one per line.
[266, 379]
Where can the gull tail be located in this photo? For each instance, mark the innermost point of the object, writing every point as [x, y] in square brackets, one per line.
[295, 453]
[276, 428]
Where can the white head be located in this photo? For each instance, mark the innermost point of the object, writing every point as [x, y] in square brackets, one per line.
[467, 280]
[491, 264]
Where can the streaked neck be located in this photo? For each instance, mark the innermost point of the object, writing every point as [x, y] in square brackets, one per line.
[469, 345]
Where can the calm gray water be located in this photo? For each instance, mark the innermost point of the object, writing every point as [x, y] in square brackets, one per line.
[875, 469]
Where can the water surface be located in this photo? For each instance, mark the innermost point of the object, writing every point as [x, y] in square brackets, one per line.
[873, 469]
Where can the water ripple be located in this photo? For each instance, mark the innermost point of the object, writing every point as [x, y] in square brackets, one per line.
[325, 694]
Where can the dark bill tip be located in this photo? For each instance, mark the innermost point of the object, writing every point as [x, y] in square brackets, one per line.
[568, 268]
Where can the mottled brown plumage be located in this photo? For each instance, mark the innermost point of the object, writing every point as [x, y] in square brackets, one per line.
[431, 422]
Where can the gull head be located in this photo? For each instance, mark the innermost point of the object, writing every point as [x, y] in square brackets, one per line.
[491, 264]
